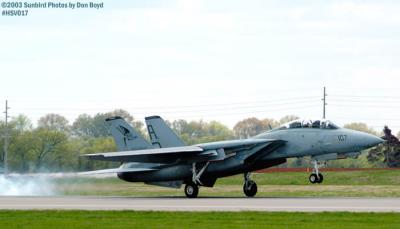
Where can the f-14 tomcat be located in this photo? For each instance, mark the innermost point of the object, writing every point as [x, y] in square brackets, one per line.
[168, 161]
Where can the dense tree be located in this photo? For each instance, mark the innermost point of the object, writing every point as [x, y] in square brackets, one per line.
[46, 143]
[37, 150]
[252, 126]
[88, 126]
[288, 118]
[93, 145]
[215, 131]
[54, 145]
[83, 126]
[179, 126]
[387, 153]
[15, 127]
[21, 156]
[360, 127]
[54, 122]
[199, 131]
[21, 123]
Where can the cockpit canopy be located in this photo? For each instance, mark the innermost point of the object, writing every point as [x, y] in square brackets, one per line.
[308, 123]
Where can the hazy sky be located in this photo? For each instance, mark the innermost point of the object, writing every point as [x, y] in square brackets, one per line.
[221, 60]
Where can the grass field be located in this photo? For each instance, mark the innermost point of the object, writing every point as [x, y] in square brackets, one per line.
[286, 184]
[132, 219]
[363, 183]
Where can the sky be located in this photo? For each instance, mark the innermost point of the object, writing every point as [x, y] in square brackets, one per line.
[210, 60]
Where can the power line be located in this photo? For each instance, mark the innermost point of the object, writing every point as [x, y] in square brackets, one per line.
[356, 100]
[249, 107]
[69, 111]
[197, 113]
[369, 119]
[250, 112]
[365, 96]
[227, 112]
[264, 102]
[364, 106]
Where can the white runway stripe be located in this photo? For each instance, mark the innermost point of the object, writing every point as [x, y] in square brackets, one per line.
[204, 204]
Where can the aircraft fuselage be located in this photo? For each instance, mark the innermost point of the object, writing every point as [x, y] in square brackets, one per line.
[299, 142]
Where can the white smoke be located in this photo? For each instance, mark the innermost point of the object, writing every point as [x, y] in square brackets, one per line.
[25, 185]
[41, 184]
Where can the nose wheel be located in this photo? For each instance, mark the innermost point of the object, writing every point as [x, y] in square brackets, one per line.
[316, 177]
[250, 186]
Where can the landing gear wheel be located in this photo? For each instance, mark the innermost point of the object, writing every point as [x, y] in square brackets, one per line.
[320, 178]
[250, 188]
[191, 190]
[313, 178]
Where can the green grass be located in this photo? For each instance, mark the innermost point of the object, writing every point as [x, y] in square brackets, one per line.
[142, 219]
[379, 177]
[285, 184]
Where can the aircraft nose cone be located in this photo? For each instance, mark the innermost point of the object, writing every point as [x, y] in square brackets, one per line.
[373, 140]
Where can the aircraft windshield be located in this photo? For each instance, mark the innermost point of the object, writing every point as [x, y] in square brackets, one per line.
[307, 123]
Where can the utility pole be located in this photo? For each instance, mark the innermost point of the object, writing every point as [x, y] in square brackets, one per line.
[324, 103]
[6, 136]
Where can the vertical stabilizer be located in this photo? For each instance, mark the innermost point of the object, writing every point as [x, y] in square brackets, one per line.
[125, 136]
[161, 135]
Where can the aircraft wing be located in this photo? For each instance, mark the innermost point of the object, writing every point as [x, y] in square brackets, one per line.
[197, 153]
[262, 150]
[235, 145]
[255, 148]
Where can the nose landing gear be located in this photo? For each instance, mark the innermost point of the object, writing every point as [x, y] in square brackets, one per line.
[316, 177]
[249, 187]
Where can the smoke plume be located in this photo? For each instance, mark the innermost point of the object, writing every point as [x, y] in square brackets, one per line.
[25, 185]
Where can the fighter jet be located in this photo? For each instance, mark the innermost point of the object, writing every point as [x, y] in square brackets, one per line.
[169, 162]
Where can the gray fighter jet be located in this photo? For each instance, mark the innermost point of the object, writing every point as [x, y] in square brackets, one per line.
[169, 162]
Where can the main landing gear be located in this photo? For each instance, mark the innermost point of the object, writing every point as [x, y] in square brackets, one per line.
[192, 188]
[315, 177]
[249, 187]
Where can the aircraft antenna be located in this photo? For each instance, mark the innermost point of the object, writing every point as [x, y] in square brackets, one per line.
[6, 136]
[324, 104]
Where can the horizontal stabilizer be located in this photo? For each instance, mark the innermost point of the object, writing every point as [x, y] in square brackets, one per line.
[156, 155]
[117, 170]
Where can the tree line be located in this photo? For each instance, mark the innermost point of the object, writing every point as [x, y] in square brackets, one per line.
[56, 145]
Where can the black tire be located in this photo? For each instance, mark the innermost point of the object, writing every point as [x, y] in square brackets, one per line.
[313, 178]
[191, 190]
[320, 178]
[250, 189]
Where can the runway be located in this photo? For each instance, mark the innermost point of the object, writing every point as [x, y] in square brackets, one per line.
[202, 204]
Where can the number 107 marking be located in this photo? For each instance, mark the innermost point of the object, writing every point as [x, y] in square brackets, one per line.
[342, 138]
